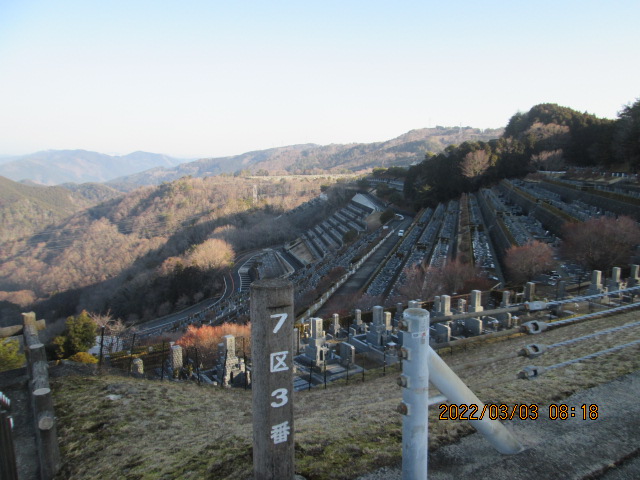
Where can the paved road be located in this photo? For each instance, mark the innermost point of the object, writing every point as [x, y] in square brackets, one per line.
[233, 281]
[232, 284]
[360, 278]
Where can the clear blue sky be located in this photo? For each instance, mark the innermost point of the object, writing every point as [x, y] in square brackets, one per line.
[212, 78]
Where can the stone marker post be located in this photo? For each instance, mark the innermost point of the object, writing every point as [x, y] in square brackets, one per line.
[272, 318]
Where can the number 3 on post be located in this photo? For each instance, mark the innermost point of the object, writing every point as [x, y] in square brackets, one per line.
[281, 395]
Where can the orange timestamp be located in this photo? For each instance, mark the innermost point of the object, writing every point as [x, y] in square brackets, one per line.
[522, 411]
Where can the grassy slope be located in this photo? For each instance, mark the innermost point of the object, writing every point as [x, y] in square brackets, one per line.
[170, 430]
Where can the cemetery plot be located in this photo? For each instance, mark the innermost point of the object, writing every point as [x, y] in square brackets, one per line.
[513, 213]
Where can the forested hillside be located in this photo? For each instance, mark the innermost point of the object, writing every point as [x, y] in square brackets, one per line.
[547, 137]
[26, 209]
[155, 249]
[315, 159]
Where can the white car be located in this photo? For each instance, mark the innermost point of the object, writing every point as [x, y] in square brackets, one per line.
[401, 233]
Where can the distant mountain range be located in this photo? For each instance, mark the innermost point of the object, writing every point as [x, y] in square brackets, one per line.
[53, 167]
[404, 150]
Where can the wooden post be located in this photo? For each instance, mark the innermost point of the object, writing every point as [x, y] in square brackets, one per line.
[48, 449]
[272, 316]
[41, 400]
[30, 328]
[15, 330]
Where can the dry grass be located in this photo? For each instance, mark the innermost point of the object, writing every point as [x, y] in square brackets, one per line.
[154, 430]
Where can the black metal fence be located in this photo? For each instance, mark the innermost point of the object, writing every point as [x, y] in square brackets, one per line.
[158, 358]
[8, 469]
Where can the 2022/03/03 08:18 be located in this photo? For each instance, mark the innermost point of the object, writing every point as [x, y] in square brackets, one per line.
[556, 411]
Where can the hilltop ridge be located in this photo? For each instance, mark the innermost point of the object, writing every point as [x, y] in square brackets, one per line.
[403, 150]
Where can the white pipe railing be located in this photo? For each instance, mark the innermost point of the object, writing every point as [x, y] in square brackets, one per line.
[450, 385]
[421, 365]
[415, 394]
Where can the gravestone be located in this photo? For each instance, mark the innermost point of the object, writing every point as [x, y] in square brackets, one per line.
[377, 330]
[475, 304]
[474, 326]
[335, 325]
[562, 289]
[176, 357]
[529, 291]
[505, 299]
[505, 320]
[357, 318]
[137, 367]
[634, 278]
[596, 283]
[443, 332]
[462, 305]
[347, 354]
[316, 349]
[229, 365]
[445, 305]
[614, 282]
[387, 321]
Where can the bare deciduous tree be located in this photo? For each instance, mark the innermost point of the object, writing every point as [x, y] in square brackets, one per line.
[548, 160]
[454, 277]
[475, 163]
[207, 338]
[113, 326]
[525, 262]
[210, 254]
[601, 243]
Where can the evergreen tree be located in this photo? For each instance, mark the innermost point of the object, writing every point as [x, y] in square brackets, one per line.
[627, 135]
[79, 336]
[10, 356]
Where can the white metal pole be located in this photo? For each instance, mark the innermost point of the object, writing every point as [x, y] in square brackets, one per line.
[415, 395]
[450, 385]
